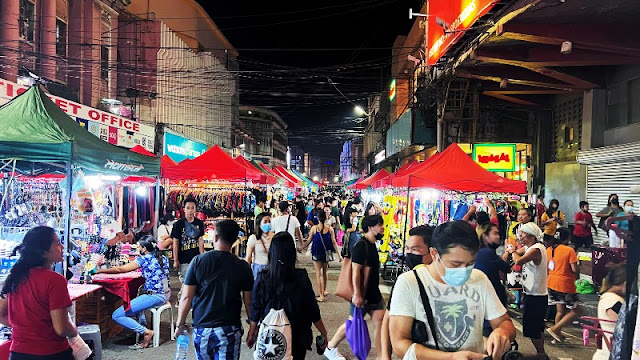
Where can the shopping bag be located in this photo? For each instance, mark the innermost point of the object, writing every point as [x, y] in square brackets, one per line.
[81, 350]
[339, 237]
[274, 337]
[344, 287]
[358, 335]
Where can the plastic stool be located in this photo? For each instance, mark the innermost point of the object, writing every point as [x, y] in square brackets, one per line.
[91, 335]
[156, 313]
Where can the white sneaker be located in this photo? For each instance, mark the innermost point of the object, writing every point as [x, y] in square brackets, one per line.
[333, 354]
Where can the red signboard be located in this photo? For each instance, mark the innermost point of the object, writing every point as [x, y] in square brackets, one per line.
[454, 15]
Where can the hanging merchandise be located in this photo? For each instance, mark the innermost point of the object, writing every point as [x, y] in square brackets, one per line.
[31, 202]
[213, 201]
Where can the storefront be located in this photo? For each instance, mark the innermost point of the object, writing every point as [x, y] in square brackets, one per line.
[611, 170]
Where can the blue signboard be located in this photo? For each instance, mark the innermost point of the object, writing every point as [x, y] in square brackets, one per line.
[179, 148]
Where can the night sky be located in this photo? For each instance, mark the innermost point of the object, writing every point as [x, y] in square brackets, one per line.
[289, 51]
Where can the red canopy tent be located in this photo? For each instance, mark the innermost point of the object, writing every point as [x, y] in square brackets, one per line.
[165, 160]
[454, 170]
[370, 181]
[282, 172]
[353, 186]
[140, 150]
[268, 179]
[214, 164]
[286, 180]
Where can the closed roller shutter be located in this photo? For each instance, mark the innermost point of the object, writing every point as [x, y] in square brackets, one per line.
[610, 178]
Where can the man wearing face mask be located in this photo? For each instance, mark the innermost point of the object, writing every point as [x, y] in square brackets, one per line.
[416, 254]
[459, 297]
[533, 258]
[366, 292]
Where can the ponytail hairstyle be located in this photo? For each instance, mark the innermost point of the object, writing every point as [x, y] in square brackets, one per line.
[33, 251]
[617, 275]
[322, 217]
[282, 263]
[149, 243]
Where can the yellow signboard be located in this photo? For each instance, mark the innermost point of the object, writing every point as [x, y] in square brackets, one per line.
[496, 157]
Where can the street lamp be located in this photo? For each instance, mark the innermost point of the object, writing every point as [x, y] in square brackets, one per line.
[360, 110]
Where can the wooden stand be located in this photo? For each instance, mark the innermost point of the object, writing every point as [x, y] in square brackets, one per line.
[97, 308]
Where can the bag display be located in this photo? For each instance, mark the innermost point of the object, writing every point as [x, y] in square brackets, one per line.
[274, 337]
[358, 335]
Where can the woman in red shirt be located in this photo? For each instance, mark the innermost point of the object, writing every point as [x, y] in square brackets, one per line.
[34, 300]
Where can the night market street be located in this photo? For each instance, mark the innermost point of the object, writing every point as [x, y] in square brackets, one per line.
[334, 312]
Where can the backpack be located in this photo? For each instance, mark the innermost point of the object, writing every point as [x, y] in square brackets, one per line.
[274, 337]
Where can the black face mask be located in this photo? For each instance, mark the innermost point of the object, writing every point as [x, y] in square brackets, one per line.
[413, 260]
[615, 202]
[493, 246]
[379, 236]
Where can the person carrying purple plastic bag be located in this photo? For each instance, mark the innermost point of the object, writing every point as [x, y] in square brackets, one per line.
[366, 293]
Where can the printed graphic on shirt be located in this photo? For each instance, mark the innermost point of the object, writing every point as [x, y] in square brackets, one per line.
[452, 319]
[272, 345]
[190, 235]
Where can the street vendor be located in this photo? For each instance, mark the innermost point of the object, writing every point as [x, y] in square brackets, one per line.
[155, 271]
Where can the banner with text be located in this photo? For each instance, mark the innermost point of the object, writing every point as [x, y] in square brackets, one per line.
[111, 128]
[447, 22]
[179, 148]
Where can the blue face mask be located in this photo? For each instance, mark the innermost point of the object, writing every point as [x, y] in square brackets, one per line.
[455, 276]
[266, 227]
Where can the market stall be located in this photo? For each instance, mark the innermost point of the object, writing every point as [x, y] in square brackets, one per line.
[38, 138]
[437, 190]
[223, 187]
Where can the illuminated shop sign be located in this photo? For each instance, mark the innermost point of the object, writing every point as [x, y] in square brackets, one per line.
[392, 90]
[179, 148]
[496, 157]
[448, 21]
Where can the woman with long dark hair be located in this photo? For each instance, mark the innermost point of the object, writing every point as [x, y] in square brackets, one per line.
[34, 300]
[551, 219]
[155, 270]
[613, 292]
[282, 286]
[259, 243]
[323, 240]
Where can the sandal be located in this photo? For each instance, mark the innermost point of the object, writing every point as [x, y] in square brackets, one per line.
[138, 347]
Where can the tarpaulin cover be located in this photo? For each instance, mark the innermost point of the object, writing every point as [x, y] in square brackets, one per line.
[166, 161]
[378, 175]
[214, 164]
[282, 178]
[454, 170]
[305, 179]
[140, 150]
[33, 128]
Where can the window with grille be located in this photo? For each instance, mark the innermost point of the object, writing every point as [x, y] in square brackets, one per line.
[26, 21]
[61, 38]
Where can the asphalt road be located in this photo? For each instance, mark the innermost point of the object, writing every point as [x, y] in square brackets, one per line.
[334, 312]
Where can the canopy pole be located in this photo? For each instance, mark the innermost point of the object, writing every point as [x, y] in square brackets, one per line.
[7, 184]
[67, 219]
[157, 210]
[406, 221]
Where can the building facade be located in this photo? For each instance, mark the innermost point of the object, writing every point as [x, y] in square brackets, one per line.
[352, 162]
[162, 64]
[297, 161]
[267, 130]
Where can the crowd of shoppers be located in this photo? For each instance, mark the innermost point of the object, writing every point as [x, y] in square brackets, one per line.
[451, 298]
